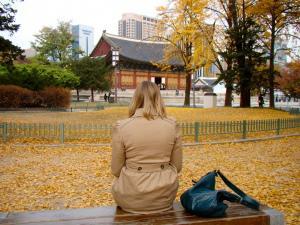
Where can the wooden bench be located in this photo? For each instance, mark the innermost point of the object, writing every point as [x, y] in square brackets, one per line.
[236, 215]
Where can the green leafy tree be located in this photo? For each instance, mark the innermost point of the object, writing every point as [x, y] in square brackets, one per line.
[7, 16]
[277, 16]
[94, 74]
[243, 51]
[246, 56]
[8, 51]
[55, 44]
[260, 82]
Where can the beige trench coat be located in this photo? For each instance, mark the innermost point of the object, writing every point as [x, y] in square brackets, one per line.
[146, 160]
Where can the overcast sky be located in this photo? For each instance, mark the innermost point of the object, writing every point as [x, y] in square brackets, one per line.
[32, 15]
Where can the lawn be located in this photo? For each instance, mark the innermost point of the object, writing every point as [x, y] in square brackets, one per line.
[39, 178]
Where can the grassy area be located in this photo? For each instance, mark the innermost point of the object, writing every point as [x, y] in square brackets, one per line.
[37, 178]
[110, 115]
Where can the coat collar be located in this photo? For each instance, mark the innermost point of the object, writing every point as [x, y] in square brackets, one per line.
[138, 112]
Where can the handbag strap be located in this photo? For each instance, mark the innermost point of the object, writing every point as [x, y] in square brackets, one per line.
[231, 185]
[245, 199]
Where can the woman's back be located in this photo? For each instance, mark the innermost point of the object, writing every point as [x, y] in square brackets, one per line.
[148, 141]
[146, 159]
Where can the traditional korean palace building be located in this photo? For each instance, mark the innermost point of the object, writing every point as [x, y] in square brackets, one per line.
[138, 59]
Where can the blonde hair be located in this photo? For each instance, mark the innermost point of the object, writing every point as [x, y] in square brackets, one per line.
[147, 96]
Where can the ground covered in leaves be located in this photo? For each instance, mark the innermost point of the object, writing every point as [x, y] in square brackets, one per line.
[80, 129]
[111, 115]
[38, 178]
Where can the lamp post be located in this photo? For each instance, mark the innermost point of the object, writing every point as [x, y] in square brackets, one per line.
[194, 82]
[115, 61]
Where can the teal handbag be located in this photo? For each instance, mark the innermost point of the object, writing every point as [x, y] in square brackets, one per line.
[203, 200]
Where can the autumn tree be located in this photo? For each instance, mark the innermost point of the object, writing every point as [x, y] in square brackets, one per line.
[289, 79]
[277, 16]
[177, 26]
[213, 35]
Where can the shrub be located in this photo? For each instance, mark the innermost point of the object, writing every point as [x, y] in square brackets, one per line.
[37, 99]
[4, 75]
[56, 97]
[12, 96]
[36, 77]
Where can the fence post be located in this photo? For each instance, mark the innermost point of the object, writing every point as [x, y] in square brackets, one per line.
[244, 129]
[278, 127]
[4, 132]
[196, 126]
[62, 132]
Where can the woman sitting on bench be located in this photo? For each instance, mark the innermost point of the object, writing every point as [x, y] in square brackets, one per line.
[146, 154]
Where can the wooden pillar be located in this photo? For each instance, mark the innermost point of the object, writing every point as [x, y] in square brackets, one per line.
[167, 80]
[134, 79]
[178, 81]
[119, 79]
[149, 75]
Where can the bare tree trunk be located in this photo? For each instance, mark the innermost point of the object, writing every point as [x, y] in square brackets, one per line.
[187, 89]
[229, 84]
[245, 96]
[77, 93]
[228, 95]
[92, 95]
[245, 76]
[271, 68]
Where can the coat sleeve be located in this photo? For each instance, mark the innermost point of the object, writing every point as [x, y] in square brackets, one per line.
[176, 156]
[118, 151]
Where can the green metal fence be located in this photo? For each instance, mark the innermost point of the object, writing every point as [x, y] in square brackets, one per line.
[86, 106]
[65, 132]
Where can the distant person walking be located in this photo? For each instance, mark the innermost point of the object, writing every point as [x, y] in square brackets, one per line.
[261, 101]
[105, 97]
[108, 97]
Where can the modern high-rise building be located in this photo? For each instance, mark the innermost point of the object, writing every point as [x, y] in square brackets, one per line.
[137, 26]
[287, 47]
[83, 40]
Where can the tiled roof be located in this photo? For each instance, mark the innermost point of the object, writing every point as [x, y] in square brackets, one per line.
[206, 82]
[210, 81]
[139, 50]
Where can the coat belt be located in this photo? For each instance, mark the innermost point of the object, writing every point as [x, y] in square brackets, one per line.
[148, 167]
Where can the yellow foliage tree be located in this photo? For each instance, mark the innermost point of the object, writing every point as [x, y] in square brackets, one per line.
[276, 16]
[221, 14]
[178, 26]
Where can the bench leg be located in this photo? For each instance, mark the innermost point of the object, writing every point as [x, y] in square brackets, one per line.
[276, 217]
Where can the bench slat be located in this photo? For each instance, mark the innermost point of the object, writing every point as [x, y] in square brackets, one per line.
[236, 215]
